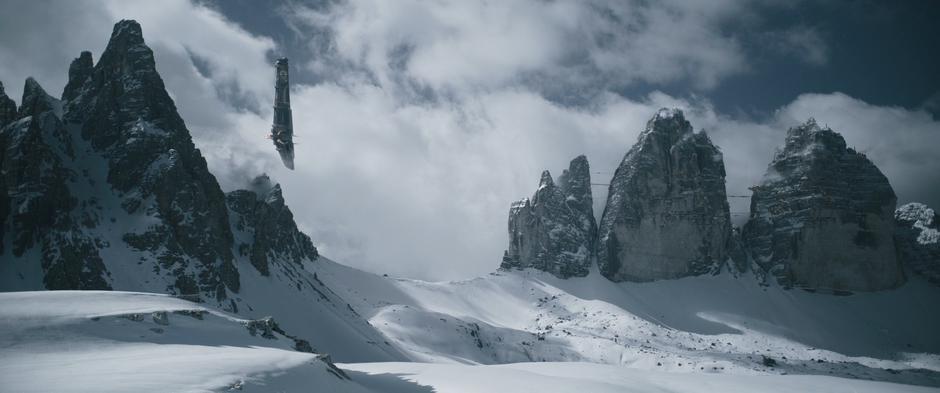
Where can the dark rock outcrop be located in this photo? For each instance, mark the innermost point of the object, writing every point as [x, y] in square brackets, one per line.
[918, 240]
[80, 70]
[7, 108]
[116, 142]
[667, 212]
[554, 231]
[823, 216]
[260, 217]
[35, 171]
[124, 111]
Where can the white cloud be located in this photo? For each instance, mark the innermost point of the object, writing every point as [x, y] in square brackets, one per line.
[464, 45]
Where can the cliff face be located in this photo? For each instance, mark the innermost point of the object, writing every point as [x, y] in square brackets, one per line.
[918, 240]
[110, 172]
[554, 231]
[667, 212]
[264, 227]
[823, 216]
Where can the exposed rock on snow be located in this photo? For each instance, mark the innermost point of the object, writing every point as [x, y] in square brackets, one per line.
[267, 226]
[667, 213]
[822, 217]
[554, 231]
[918, 239]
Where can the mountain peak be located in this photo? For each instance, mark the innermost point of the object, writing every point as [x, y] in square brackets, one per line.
[546, 180]
[79, 71]
[669, 122]
[7, 108]
[35, 99]
[127, 29]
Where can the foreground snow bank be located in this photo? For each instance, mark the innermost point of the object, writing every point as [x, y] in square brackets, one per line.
[84, 341]
[599, 378]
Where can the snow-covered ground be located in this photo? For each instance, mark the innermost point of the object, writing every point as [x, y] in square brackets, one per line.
[596, 378]
[91, 341]
[700, 325]
[80, 341]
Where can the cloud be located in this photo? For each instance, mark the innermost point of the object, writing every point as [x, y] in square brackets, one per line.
[453, 46]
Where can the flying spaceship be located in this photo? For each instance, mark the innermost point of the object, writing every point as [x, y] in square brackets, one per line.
[282, 130]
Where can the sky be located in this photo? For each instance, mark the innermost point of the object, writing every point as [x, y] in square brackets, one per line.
[418, 122]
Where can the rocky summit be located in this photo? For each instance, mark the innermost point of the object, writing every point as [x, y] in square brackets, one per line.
[110, 172]
[823, 216]
[264, 227]
[918, 239]
[667, 211]
[554, 231]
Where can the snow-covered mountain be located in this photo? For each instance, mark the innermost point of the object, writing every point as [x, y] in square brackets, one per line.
[104, 189]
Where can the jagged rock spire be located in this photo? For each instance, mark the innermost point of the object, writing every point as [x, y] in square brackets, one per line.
[823, 216]
[7, 108]
[259, 213]
[554, 230]
[79, 72]
[35, 100]
[667, 211]
[123, 109]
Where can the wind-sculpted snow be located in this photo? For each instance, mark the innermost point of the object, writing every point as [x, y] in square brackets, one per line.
[823, 217]
[82, 341]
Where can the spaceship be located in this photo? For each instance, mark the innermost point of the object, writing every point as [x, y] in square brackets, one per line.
[282, 130]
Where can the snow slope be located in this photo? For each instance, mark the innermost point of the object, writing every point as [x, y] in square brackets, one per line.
[83, 341]
[705, 324]
[598, 378]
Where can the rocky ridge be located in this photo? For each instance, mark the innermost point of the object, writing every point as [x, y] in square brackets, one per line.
[554, 231]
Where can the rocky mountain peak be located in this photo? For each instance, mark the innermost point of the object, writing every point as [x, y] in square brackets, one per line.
[35, 100]
[546, 180]
[260, 214]
[79, 71]
[576, 183]
[667, 212]
[554, 231]
[668, 123]
[7, 108]
[136, 153]
[823, 216]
